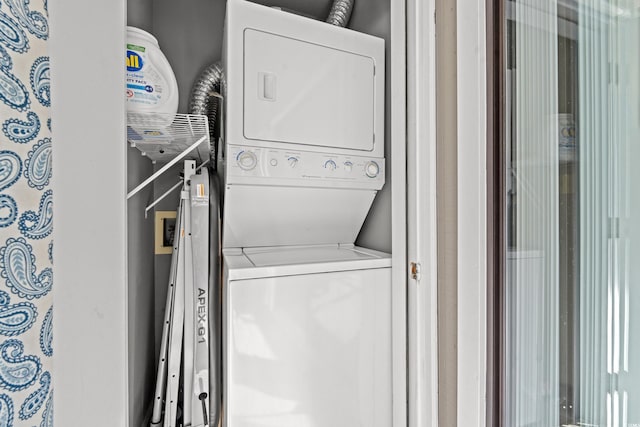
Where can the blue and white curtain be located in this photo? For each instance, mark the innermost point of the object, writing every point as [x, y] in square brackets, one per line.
[26, 244]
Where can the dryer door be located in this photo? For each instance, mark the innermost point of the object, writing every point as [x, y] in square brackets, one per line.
[305, 93]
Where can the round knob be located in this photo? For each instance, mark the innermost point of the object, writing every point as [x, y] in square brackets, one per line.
[372, 169]
[293, 161]
[247, 160]
[330, 164]
[348, 166]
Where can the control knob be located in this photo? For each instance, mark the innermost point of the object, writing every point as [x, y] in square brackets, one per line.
[247, 160]
[293, 161]
[330, 164]
[372, 169]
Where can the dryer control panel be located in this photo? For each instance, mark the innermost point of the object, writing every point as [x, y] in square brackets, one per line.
[252, 165]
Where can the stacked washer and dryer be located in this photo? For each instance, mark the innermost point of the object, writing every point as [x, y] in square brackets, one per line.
[306, 314]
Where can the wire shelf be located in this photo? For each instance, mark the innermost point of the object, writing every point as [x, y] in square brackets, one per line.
[163, 137]
[168, 138]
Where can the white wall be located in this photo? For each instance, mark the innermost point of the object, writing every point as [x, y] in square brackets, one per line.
[471, 217]
[90, 295]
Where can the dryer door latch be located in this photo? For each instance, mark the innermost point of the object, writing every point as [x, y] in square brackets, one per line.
[416, 270]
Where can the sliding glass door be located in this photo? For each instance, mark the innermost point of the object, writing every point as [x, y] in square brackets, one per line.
[570, 293]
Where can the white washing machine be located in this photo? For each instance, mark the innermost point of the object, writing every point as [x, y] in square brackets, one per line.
[307, 337]
[307, 315]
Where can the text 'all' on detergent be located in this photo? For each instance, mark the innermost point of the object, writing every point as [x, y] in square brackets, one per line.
[151, 84]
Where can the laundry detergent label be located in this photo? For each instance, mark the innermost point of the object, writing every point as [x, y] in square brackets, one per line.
[134, 61]
[136, 47]
[145, 85]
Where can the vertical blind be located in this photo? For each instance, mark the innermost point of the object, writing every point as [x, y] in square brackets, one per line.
[532, 265]
[609, 379]
[603, 375]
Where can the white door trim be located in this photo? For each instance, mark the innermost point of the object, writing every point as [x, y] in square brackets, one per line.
[398, 181]
[90, 295]
[422, 297]
[472, 208]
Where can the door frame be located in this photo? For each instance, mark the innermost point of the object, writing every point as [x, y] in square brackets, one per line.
[473, 193]
[398, 183]
[422, 287]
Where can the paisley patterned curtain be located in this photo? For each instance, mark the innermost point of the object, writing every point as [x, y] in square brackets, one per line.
[26, 244]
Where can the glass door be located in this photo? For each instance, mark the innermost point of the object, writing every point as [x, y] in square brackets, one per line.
[570, 293]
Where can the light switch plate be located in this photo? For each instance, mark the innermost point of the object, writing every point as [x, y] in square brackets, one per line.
[165, 224]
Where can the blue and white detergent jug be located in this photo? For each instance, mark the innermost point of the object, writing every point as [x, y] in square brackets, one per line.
[151, 84]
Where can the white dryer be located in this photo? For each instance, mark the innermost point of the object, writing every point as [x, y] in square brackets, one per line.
[304, 128]
[307, 338]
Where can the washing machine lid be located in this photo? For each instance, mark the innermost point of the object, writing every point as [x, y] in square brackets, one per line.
[251, 263]
[261, 257]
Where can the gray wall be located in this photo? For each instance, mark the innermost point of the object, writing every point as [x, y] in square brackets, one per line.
[140, 13]
[190, 36]
[142, 361]
[447, 193]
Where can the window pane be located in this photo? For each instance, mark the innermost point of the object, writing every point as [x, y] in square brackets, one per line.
[571, 293]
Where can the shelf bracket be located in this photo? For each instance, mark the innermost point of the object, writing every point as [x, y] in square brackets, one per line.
[169, 191]
[166, 167]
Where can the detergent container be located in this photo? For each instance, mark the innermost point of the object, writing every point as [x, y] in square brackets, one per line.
[151, 84]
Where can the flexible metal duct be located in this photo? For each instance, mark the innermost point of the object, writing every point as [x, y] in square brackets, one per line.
[201, 100]
[340, 12]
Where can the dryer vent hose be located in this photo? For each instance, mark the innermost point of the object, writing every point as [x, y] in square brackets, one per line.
[201, 100]
[340, 12]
